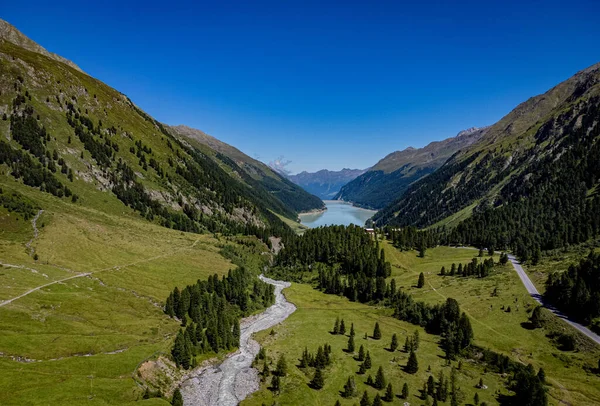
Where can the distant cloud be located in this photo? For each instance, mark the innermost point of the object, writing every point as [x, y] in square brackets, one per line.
[280, 165]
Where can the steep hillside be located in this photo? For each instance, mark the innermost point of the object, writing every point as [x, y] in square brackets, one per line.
[69, 135]
[254, 173]
[325, 184]
[531, 182]
[391, 176]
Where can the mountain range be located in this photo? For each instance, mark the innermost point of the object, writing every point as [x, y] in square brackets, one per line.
[68, 134]
[324, 183]
[391, 176]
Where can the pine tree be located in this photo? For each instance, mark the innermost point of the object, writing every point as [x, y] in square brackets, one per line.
[377, 400]
[342, 327]
[281, 369]
[318, 381]
[362, 369]
[266, 371]
[365, 401]
[349, 388]
[536, 318]
[394, 343]
[413, 364]
[336, 326]
[361, 354]
[430, 386]
[541, 376]
[275, 383]
[337, 403]
[352, 333]
[389, 393]
[416, 340]
[379, 379]
[376, 332]
[367, 360]
[405, 391]
[370, 380]
[476, 399]
[177, 399]
[421, 281]
[350, 348]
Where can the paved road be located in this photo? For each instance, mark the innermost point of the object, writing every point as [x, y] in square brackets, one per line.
[538, 297]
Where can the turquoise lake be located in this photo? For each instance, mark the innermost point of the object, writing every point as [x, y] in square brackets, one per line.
[337, 213]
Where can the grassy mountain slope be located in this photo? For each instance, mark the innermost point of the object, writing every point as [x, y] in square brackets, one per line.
[391, 176]
[324, 183]
[532, 177]
[70, 135]
[253, 172]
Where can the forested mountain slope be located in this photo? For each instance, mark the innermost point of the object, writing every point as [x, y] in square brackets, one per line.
[391, 176]
[531, 181]
[67, 134]
[324, 183]
[254, 173]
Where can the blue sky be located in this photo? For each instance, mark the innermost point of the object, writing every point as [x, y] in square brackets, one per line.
[324, 84]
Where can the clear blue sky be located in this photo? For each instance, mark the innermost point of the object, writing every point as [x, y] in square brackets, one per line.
[325, 84]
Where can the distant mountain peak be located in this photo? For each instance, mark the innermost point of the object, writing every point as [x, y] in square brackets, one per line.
[471, 130]
[11, 34]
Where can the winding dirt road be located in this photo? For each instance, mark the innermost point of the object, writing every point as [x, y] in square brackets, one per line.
[232, 381]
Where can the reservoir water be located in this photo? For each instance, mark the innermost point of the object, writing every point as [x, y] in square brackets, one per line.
[337, 213]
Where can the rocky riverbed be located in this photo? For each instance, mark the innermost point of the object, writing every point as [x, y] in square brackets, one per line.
[232, 381]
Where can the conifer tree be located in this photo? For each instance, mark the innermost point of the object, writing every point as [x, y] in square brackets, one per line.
[377, 332]
[476, 399]
[318, 381]
[266, 371]
[367, 360]
[377, 400]
[362, 369]
[416, 340]
[379, 379]
[342, 330]
[430, 386]
[361, 354]
[421, 281]
[177, 399]
[394, 343]
[405, 391]
[536, 317]
[281, 369]
[336, 326]
[389, 393]
[370, 380]
[365, 401]
[413, 364]
[541, 376]
[352, 333]
[349, 388]
[350, 348]
[275, 383]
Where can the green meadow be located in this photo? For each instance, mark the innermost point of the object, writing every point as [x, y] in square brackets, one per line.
[486, 301]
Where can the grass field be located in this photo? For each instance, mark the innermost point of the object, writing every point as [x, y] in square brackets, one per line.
[80, 340]
[494, 328]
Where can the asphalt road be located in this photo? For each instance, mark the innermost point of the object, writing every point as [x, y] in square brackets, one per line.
[538, 297]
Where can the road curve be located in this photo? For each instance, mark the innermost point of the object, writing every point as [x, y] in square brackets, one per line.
[538, 297]
[232, 381]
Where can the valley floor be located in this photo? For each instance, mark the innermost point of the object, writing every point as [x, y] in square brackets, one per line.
[498, 306]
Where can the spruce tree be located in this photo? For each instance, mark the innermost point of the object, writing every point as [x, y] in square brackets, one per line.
[394, 343]
[367, 360]
[379, 379]
[336, 326]
[413, 364]
[421, 281]
[342, 327]
[318, 381]
[405, 391]
[275, 383]
[365, 401]
[377, 332]
[177, 399]
[541, 376]
[370, 381]
[362, 369]
[352, 333]
[476, 399]
[416, 340]
[281, 369]
[536, 317]
[377, 400]
[349, 388]
[361, 355]
[350, 348]
[389, 393]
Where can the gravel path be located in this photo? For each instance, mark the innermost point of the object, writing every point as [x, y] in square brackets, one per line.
[232, 381]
